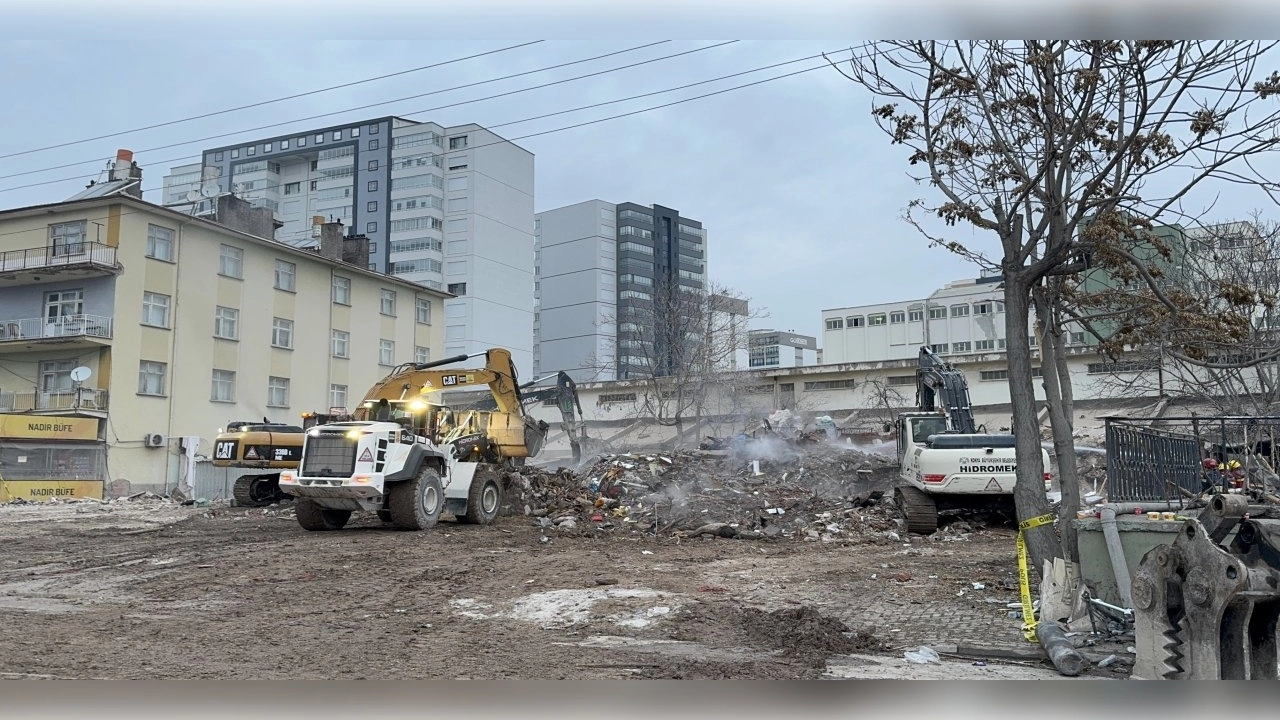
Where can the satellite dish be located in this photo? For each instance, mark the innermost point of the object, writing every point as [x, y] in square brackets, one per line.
[209, 189]
[193, 196]
[80, 374]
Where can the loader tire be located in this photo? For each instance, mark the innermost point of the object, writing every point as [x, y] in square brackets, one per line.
[919, 509]
[416, 504]
[315, 517]
[257, 490]
[484, 501]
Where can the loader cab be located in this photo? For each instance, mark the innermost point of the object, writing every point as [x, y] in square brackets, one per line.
[428, 419]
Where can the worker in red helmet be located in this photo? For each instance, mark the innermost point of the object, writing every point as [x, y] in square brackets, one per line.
[1212, 478]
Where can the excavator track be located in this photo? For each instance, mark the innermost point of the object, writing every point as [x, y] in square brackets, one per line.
[257, 490]
[919, 509]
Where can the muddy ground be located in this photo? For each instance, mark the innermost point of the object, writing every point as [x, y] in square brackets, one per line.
[150, 589]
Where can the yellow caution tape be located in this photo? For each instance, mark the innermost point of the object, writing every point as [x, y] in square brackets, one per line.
[1028, 613]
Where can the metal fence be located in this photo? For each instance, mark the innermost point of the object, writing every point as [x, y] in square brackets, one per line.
[1147, 463]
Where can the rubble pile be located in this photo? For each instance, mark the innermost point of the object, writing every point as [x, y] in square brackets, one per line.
[761, 488]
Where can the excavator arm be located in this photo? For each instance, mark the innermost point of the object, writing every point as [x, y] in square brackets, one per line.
[936, 376]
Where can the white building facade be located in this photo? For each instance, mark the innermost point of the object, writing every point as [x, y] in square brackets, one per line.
[450, 208]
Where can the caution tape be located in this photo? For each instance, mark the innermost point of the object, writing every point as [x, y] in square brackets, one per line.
[1028, 613]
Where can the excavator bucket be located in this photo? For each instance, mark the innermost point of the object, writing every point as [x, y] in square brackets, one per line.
[1205, 611]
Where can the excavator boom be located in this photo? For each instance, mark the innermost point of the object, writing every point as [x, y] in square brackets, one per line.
[935, 376]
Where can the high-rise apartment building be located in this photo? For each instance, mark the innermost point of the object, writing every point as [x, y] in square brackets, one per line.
[600, 268]
[450, 208]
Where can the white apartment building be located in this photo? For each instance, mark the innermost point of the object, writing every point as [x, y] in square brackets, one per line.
[776, 349]
[450, 208]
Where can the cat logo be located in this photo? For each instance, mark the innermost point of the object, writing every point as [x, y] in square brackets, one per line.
[994, 485]
[251, 454]
[366, 456]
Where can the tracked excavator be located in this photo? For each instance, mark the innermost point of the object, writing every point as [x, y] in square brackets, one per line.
[267, 448]
[409, 457]
[945, 460]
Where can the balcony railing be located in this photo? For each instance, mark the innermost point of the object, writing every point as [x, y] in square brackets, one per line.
[88, 399]
[80, 253]
[63, 327]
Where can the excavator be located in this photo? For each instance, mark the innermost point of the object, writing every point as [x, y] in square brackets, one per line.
[266, 447]
[409, 457]
[565, 395]
[945, 459]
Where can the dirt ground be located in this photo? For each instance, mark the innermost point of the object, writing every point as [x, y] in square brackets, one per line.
[150, 589]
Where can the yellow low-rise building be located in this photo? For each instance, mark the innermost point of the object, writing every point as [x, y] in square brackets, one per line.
[130, 333]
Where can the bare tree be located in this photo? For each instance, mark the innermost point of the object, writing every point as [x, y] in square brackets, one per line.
[1058, 149]
[679, 343]
[1229, 270]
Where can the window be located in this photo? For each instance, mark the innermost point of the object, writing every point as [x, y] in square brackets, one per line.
[235, 153]
[266, 148]
[277, 392]
[286, 272]
[217, 157]
[373, 165]
[960, 347]
[373, 144]
[634, 215]
[1001, 344]
[902, 379]
[355, 132]
[55, 375]
[876, 319]
[373, 129]
[63, 304]
[151, 377]
[388, 305]
[421, 354]
[226, 322]
[338, 396]
[231, 262]
[371, 206]
[984, 345]
[1123, 366]
[398, 246]
[313, 185]
[1076, 338]
[987, 375]
[458, 163]
[458, 143]
[959, 311]
[999, 306]
[224, 386]
[937, 313]
[915, 315]
[282, 333]
[830, 385]
[424, 311]
[292, 188]
[939, 349]
[251, 150]
[372, 228]
[340, 344]
[160, 243]
[284, 144]
[341, 293]
[1031, 341]
[67, 238]
[458, 183]
[302, 141]
[835, 324]
[386, 352]
[982, 308]
[319, 138]
[337, 135]
[855, 321]
[458, 288]
[616, 398]
[897, 317]
[373, 186]
[155, 309]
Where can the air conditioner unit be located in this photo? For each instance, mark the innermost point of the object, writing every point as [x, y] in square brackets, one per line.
[154, 440]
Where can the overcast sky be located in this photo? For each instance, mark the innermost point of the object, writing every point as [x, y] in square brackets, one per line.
[800, 192]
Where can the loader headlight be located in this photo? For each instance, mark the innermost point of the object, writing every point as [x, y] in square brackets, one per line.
[417, 406]
[353, 434]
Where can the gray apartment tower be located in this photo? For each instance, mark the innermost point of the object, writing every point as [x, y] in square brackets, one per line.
[446, 207]
[598, 267]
